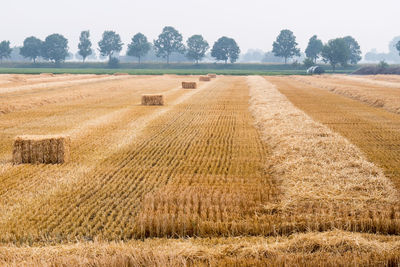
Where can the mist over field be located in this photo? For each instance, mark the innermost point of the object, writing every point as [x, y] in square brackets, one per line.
[254, 23]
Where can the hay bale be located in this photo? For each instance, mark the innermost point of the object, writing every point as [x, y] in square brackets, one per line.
[47, 149]
[152, 100]
[204, 79]
[212, 75]
[189, 85]
[120, 74]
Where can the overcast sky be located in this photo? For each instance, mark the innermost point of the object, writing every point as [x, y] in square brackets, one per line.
[253, 23]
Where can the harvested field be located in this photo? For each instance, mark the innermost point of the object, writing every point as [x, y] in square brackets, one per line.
[230, 173]
[377, 93]
[375, 131]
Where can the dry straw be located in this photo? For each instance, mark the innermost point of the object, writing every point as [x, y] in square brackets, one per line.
[205, 78]
[36, 149]
[189, 85]
[152, 100]
[315, 165]
[120, 73]
[212, 75]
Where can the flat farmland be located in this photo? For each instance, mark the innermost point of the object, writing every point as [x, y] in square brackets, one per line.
[240, 171]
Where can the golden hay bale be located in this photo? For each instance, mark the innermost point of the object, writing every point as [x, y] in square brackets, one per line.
[189, 85]
[120, 73]
[212, 75]
[152, 100]
[35, 149]
[204, 79]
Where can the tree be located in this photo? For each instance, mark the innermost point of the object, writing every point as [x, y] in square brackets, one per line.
[5, 50]
[398, 47]
[110, 43]
[354, 49]
[32, 48]
[314, 48]
[85, 45]
[285, 45]
[169, 41]
[225, 48]
[308, 62]
[139, 46]
[196, 48]
[336, 52]
[55, 48]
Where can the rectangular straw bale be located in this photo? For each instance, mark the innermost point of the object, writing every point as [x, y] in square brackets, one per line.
[63, 149]
[204, 79]
[48, 149]
[212, 75]
[152, 100]
[120, 73]
[189, 85]
[17, 151]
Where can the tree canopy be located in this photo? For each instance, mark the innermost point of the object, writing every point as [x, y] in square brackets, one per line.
[196, 48]
[55, 48]
[225, 49]
[169, 41]
[336, 52]
[314, 48]
[139, 46]
[354, 49]
[5, 50]
[85, 45]
[285, 45]
[109, 44]
[32, 48]
[398, 47]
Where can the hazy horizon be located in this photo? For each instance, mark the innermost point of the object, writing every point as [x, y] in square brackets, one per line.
[254, 25]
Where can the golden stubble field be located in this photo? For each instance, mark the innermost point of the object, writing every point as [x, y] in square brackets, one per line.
[242, 170]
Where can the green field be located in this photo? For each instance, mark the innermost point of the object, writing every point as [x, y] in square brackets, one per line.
[162, 68]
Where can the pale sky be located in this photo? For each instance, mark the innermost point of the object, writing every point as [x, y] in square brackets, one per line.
[253, 23]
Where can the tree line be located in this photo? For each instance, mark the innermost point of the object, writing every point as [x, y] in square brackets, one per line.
[55, 47]
[339, 51]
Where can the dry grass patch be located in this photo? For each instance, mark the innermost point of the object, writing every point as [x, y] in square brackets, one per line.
[336, 248]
